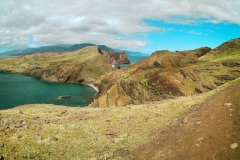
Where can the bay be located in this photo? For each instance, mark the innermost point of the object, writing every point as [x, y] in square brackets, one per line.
[16, 89]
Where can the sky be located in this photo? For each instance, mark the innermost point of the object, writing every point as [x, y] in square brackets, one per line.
[137, 25]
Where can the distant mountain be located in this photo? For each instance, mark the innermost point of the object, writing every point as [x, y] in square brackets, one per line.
[64, 45]
[64, 48]
[78, 46]
[27, 51]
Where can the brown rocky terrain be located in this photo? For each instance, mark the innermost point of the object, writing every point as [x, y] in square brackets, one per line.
[167, 74]
[210, 130]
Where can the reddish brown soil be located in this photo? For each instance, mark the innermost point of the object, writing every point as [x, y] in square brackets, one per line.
[205, 132]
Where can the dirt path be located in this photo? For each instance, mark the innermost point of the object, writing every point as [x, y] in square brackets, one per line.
[209, 131]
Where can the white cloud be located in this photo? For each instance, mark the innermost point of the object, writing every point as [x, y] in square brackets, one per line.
[101, 21]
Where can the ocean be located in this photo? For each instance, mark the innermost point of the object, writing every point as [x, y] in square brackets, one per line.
[17, 89]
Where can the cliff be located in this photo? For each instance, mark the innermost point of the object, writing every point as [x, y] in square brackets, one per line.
[166, 74]
[116, 58]
[84, 65]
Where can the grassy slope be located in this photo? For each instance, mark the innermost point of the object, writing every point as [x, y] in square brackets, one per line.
[84, 133]
[86, 64]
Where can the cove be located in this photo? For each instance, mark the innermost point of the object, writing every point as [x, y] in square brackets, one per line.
[17, 89]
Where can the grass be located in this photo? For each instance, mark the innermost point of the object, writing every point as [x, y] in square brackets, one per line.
[85, 133]
[188, 88]
[232, 54]
[88, 60]
[49, 60]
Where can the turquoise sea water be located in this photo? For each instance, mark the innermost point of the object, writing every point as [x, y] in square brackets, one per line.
[135, 59]
[16, 89]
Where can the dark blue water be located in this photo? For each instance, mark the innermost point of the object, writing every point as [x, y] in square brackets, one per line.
[16, 89]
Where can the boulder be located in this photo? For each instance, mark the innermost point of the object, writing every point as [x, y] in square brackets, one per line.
[63, 97]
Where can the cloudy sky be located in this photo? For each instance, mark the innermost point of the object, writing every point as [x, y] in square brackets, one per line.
[141, 25]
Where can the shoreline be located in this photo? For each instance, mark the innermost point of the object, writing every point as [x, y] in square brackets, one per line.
[91, 85]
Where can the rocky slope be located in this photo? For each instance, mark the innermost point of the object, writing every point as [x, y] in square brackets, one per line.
[167, 74]
[84, 65]
[209, 130]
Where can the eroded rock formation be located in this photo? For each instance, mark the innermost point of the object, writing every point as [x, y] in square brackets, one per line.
[116, 58]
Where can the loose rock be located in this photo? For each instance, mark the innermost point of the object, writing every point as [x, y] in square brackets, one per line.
[19, 136]
[185, 120]
[200, 139]
[234, 145]
[1, 157]
[38, 138]
[227, 104]
[199, 122]
[110, 132]
[64, 111]
[52, 139]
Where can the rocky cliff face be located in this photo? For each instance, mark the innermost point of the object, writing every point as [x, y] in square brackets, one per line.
[84, 65]
[116, 58]
[166, 74]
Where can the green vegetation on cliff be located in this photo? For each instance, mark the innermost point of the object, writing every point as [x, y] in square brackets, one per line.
[84, 65]
[166, 74]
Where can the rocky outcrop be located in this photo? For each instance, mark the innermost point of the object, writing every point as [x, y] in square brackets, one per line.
[165, 75]
[202, 51]
[116, 58]
[64, 97]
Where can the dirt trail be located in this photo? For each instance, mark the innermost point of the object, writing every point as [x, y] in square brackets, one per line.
[209, 131]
